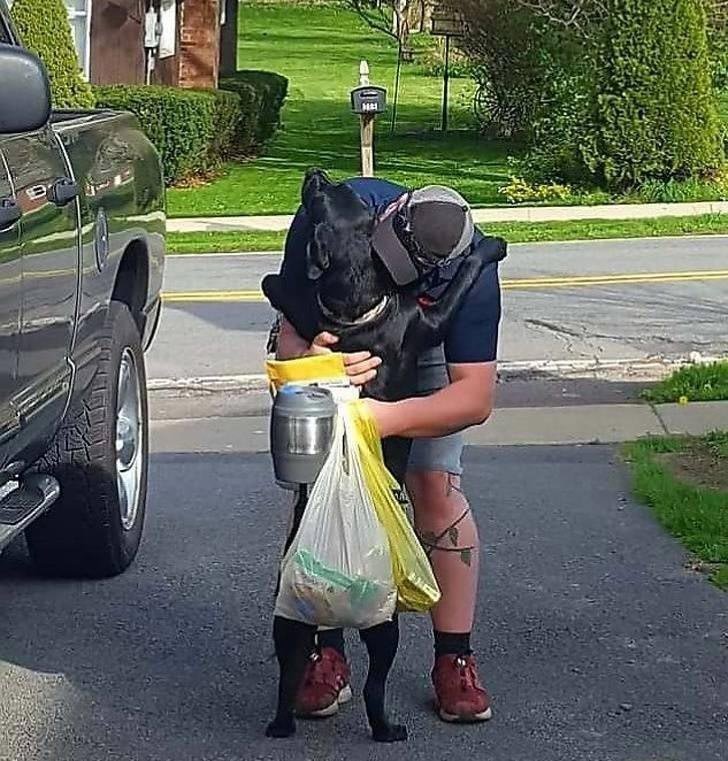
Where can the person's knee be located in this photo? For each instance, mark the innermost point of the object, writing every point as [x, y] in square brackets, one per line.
[428, 482]
[434, 493]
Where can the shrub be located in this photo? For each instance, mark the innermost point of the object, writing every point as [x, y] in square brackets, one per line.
[656, 111]
[562, 134]
[632, 103]
[718, 36]
[270, 91]
[43, 27]
[506, 45]
[249, 99]
[521, 191]
[193, 130]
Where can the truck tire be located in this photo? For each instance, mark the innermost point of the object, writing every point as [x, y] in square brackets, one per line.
[100, 458]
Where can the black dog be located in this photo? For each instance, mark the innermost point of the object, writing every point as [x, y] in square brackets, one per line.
[346, 290]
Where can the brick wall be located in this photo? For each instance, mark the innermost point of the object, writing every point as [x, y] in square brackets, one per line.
[199, 43]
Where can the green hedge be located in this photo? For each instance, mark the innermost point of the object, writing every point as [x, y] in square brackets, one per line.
[263, 93]
[193, 130]
[249, 103]
[634, 102]
[656, 108]
[44, 29]
[196, 130]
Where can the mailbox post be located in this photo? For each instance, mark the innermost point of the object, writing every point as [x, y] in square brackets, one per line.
[367, 101]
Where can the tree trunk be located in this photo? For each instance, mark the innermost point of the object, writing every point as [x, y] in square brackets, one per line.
[418, 15]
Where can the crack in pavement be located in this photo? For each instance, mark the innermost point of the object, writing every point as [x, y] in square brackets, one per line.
[564, 333]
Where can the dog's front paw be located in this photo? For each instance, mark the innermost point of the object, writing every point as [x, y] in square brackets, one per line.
[280, 728]
[389, 733]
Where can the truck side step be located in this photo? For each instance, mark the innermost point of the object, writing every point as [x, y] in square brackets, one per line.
[21, 506]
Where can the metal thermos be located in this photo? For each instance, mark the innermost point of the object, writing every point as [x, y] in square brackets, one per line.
[301, 432]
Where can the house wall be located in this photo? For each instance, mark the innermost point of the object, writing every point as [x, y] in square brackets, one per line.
[199, 44]
[117, 44]
[117, 41]
[166, 71]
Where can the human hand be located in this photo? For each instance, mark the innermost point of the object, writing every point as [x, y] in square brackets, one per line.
[361, 366]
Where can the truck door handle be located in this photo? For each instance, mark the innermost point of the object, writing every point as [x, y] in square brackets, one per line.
[10, 213]
[62, 192]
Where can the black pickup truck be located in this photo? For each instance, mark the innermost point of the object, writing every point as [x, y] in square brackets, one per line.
[82, 231]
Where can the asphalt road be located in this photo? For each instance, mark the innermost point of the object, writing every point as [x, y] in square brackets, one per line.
[595, 641]
[662, 298]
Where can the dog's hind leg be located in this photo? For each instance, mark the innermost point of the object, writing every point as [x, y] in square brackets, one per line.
[294, 643]
[381, 643]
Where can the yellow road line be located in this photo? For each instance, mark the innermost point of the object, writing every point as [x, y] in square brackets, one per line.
[210, 296]
[544, 283]
[637, 277]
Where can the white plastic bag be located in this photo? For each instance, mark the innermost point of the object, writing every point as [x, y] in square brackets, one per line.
[338, 570]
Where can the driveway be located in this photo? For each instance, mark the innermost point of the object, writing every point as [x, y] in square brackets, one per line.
[595, 641]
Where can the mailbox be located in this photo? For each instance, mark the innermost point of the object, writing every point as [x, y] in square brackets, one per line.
[369, 100]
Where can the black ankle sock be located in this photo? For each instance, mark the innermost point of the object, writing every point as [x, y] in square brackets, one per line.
[447, 643]
[332, 638]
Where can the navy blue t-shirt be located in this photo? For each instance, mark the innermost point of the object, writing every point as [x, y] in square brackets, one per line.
[473, 332]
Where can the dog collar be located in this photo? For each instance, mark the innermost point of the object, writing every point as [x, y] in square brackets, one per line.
[368, 316]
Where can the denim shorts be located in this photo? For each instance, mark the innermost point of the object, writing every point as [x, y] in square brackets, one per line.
[444, 453]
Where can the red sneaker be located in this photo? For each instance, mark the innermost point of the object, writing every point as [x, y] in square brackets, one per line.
[325, 685]
[460, 695]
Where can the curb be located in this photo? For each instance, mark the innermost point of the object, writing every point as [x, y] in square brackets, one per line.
[637, 370]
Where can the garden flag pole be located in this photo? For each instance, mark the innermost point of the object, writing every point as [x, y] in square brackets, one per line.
[446, 82]
[447, 24]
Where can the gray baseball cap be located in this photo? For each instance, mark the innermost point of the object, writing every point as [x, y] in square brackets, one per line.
[437, 218]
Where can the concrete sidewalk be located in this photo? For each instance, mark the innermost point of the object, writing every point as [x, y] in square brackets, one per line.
[278, 223]
[585, 424]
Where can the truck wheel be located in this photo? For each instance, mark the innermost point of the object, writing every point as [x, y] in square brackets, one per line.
[100, 458]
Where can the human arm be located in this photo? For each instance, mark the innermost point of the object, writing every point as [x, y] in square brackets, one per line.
[471, 348]
[467, 401]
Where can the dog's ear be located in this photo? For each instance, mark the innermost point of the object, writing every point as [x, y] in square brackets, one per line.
[369, 224]
[313, 183]
[317, 254]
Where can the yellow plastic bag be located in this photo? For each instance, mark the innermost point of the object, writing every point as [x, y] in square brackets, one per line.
[417, 588]
[324, 369]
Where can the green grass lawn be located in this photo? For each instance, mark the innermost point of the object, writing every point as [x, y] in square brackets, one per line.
[693, 383]
[319, 49]
[685, 482]
[514, 232]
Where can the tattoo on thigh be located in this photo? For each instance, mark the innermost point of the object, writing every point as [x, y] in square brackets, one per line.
[452, 487]
[447, 541]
